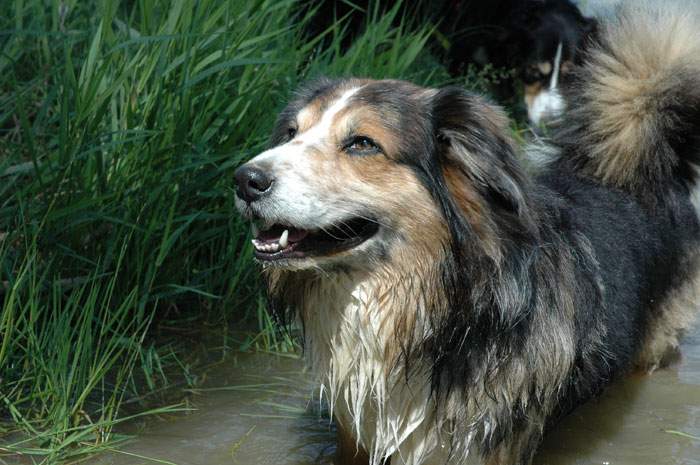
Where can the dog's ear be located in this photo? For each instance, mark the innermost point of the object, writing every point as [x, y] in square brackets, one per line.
[478, 157]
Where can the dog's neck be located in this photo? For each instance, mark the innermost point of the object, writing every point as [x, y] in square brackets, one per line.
[391, 301]
[362, 331]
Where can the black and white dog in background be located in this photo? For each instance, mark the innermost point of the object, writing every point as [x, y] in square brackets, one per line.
[541, 40]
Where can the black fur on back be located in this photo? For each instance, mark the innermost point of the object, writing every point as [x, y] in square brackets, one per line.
[572, 250]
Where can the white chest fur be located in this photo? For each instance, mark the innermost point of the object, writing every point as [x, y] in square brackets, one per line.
[351, 344]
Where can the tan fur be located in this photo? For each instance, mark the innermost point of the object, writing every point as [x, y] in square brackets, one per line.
[472, 208]
[531, 93]
[309, 116]
[627, 92]
[545, 67]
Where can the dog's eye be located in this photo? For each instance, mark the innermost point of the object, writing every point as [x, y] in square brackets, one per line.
[361, 145]
[291, 133]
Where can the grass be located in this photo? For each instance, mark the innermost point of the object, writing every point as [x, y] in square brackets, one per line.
[121, 124]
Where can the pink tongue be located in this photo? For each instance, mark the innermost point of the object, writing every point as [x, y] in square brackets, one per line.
[273, 235]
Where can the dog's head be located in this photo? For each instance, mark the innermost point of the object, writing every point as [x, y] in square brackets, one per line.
[554, 38]
[364, 171]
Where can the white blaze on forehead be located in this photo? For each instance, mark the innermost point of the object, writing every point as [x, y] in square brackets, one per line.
[315, 134]
[320, 130]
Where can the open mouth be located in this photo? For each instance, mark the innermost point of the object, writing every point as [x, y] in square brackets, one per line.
[286, 242]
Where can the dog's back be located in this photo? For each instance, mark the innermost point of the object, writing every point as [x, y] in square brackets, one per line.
[621, 188]
[647, 269]
[629, 146]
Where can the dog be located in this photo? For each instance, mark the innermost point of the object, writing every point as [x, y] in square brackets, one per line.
[541, 40]
[554, 41]
[455, 302]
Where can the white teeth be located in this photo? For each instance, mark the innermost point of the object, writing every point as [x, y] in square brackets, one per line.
[283, 241]
[266, 247]
[269, 247]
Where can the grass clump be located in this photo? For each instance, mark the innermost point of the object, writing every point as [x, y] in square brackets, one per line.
[120, 126]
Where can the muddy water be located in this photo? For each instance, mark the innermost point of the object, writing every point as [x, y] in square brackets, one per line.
[257, 411]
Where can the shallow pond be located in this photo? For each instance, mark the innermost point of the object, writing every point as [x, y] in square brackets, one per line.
[257, 410]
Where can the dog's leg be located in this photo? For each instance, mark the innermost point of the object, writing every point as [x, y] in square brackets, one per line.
[349, 452]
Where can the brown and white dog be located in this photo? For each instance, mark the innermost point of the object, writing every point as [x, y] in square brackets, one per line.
[453, 306]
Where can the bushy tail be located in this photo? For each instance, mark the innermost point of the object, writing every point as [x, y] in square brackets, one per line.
[634, 113]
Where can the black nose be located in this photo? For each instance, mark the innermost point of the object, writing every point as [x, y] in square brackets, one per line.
[251, 183]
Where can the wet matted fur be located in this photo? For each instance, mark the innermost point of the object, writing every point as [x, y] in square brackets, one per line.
[454, 307]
